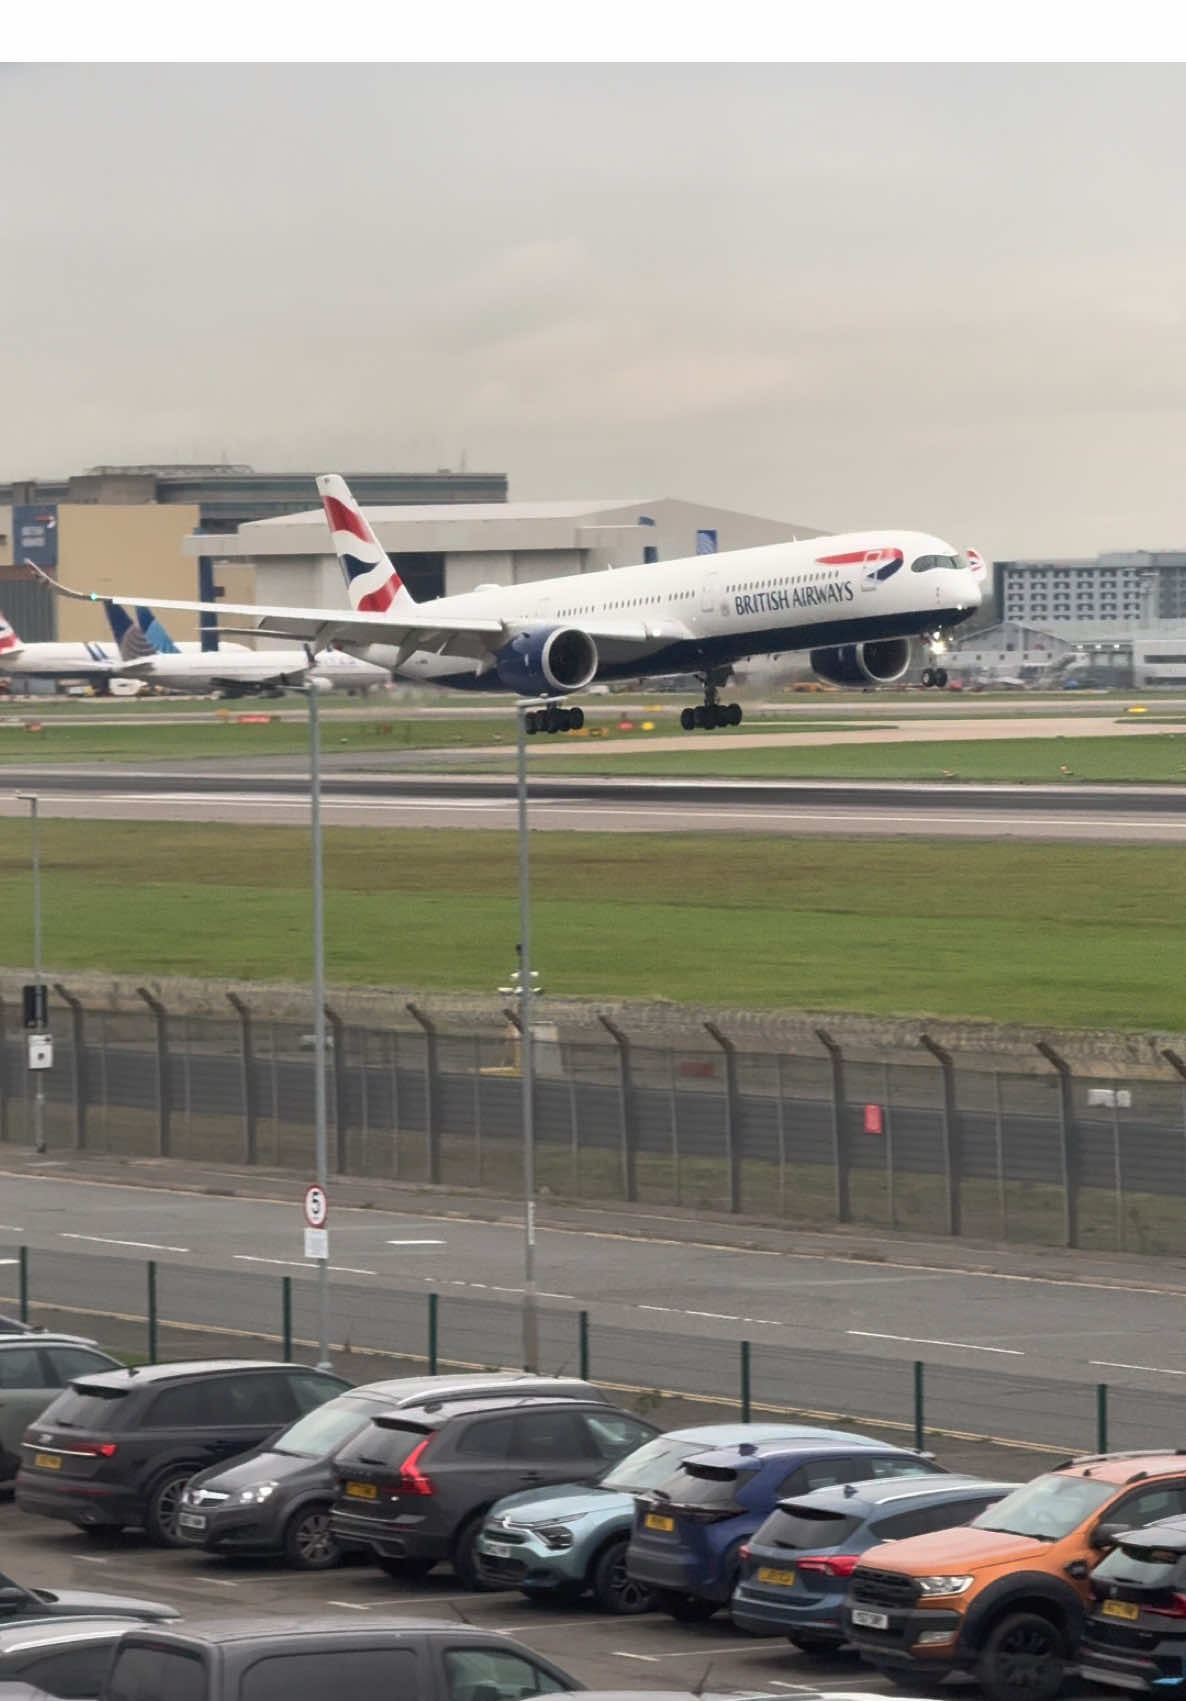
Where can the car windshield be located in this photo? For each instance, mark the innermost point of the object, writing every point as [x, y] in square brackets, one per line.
[1048, 1508]
[649, 1465]
[321, 1432]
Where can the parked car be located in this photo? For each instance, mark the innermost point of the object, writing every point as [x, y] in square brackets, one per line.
[688, 1532]
[22, 1606]
[118, 1448]
[329, 1659]
[796, 1568]
[67, 1657]
[277, 1498]
[1005, 1596]
[557, 1543]
[1135, 1636]
[415, 1486]
[34, 1366]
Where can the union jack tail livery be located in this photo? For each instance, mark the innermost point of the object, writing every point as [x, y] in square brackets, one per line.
[371, 579]
[10, 644]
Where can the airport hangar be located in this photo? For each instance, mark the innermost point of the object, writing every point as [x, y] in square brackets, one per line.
[178, 531]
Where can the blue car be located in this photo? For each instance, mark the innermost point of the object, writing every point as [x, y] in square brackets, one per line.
[686, 1541]
[795, 1571]
[557, 1543]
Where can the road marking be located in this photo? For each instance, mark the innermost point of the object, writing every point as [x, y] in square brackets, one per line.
[354, 1606]
[350, 1270]
[771, 1322]
[925, 1341]
[717, 1316]
[301, 1264]
[1152, 1369]
[11, 1228]
[9, 1260]
[544, 1294]
[622, 1654]
[105, 1240]
[657, 1308]
[417, 1243]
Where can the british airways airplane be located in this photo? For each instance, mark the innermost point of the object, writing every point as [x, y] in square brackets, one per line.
[854, 602]
[54, 660]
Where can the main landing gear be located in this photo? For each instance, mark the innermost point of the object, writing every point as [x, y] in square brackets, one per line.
[936, 676]
[554, 719]
[710, 713]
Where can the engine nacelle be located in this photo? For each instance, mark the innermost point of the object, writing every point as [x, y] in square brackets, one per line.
[546, 660]
[879, 662]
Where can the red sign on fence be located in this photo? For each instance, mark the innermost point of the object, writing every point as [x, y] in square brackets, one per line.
[873, 1121]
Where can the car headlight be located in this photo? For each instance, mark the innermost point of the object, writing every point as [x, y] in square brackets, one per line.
[257, 1495]
[945, 1585]
[556, 1536]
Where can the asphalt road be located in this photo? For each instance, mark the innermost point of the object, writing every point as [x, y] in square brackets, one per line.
[649, 1652]
[1010, 1352]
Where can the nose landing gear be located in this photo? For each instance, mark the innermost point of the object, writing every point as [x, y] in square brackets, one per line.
[710, 713]
[554, 719]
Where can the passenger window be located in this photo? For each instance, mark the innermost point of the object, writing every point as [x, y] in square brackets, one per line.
[818, 1473]
[891, 1466]
[494, 1674]
[186, 1407]
[903, 1524]
[74, 1674]
[551, 1437]
[147, 1674]
[615, 1435]
[254, 1399]
[68, 1362]
[22, 1368]
[1147, 1505]
[361, 1674]
[311, 1391]
[489, 1437]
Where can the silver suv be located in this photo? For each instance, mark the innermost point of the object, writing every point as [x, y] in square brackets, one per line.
[34, 1368]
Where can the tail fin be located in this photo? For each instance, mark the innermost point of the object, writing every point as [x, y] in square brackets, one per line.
[130, 641]
[372, 581]
[10, 644]
[155, 632]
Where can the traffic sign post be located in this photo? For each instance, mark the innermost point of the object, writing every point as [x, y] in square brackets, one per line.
[316, 1217]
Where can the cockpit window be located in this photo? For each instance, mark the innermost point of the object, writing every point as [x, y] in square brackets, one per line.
[926, 563]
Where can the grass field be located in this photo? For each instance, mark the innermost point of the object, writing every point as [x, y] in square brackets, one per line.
[1153, 758]
[214, 739]
[1086, 936]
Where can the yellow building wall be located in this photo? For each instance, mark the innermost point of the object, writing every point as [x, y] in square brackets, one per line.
[124, 548]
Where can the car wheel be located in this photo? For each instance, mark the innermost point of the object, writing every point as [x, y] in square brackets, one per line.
[1023, 1659]
[691, 1609]
[164, 1503]
[464, 1560]
[309, 1543]
[614, 1589]
[404, 1568]
[815, 1642]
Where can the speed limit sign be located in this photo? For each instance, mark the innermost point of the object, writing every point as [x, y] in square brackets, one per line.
[316, 1207]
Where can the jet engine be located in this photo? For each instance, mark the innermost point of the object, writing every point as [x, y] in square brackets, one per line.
[882, 661]
[546, 660]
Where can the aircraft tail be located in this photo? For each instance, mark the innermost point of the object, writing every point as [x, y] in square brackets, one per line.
[129, 640]
[371, 579]
[10, 643]
[155, 633]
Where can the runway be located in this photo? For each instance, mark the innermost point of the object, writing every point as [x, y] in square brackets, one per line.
[1075, 814]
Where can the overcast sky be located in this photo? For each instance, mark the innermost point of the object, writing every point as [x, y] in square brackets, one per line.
[944, 297]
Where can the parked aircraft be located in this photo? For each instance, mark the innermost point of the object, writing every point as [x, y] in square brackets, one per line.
[95, 663]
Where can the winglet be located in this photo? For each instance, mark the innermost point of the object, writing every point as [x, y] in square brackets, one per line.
[371, 579]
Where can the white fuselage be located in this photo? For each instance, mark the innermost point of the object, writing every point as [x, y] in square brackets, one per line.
[254, 669]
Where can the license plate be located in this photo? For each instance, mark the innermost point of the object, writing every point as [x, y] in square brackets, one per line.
[1121, 1609]
[656, 1521]
[767, 1574]
[48, 1461]
[192, 1520]
[362, 1491]
[498, 1550]
[870, 1620]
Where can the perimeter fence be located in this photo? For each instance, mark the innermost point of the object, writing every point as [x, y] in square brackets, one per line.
[1050, 1157]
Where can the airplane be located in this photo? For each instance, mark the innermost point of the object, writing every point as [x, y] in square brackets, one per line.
[98, 663]
[854, 602]
[235, 670]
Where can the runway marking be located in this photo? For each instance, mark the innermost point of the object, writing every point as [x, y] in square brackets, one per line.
[355, 1606]
[1152, 1369]
[417, 1243]
[11, 1228]
[925, 1341]
[106, 1240]
[624, 1654]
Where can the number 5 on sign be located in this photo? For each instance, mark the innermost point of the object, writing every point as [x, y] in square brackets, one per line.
[316, 1207]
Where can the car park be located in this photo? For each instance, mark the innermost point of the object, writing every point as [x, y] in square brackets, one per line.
[1135, 1634]
[20, 1605]
[1005, 1596]
[276, 1499]
[327, 1659]
[415, 1486]
[556, 1543]
[66, 1657]
[795, 1570]
[34, 1366]
[687, 1535]
[117, 1448]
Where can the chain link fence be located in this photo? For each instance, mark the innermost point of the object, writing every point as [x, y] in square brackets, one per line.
[1048, 1157]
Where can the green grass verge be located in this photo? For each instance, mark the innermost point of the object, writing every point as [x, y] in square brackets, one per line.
[214, 739]
[1153, 758]
[1046, 934]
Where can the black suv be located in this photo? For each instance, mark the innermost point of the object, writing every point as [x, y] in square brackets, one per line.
[1136, 1636]
[276, 1499]
[118, 1448]
[415, 1485]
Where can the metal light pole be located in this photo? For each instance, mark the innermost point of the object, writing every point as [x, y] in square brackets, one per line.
[527, 1063]
[39, 1074]
[321, 1156]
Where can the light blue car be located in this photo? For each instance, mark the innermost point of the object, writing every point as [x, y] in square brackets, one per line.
[559, 1542]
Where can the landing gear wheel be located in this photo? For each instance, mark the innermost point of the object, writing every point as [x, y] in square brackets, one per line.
[164, 1503]
[700, 716]
[928, 678]
[687, 719]
[530, 722]
[614, 1589]
[1023, 1659]
[940, 677]
[734, 714]
[576, 719]
[308, 1542]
